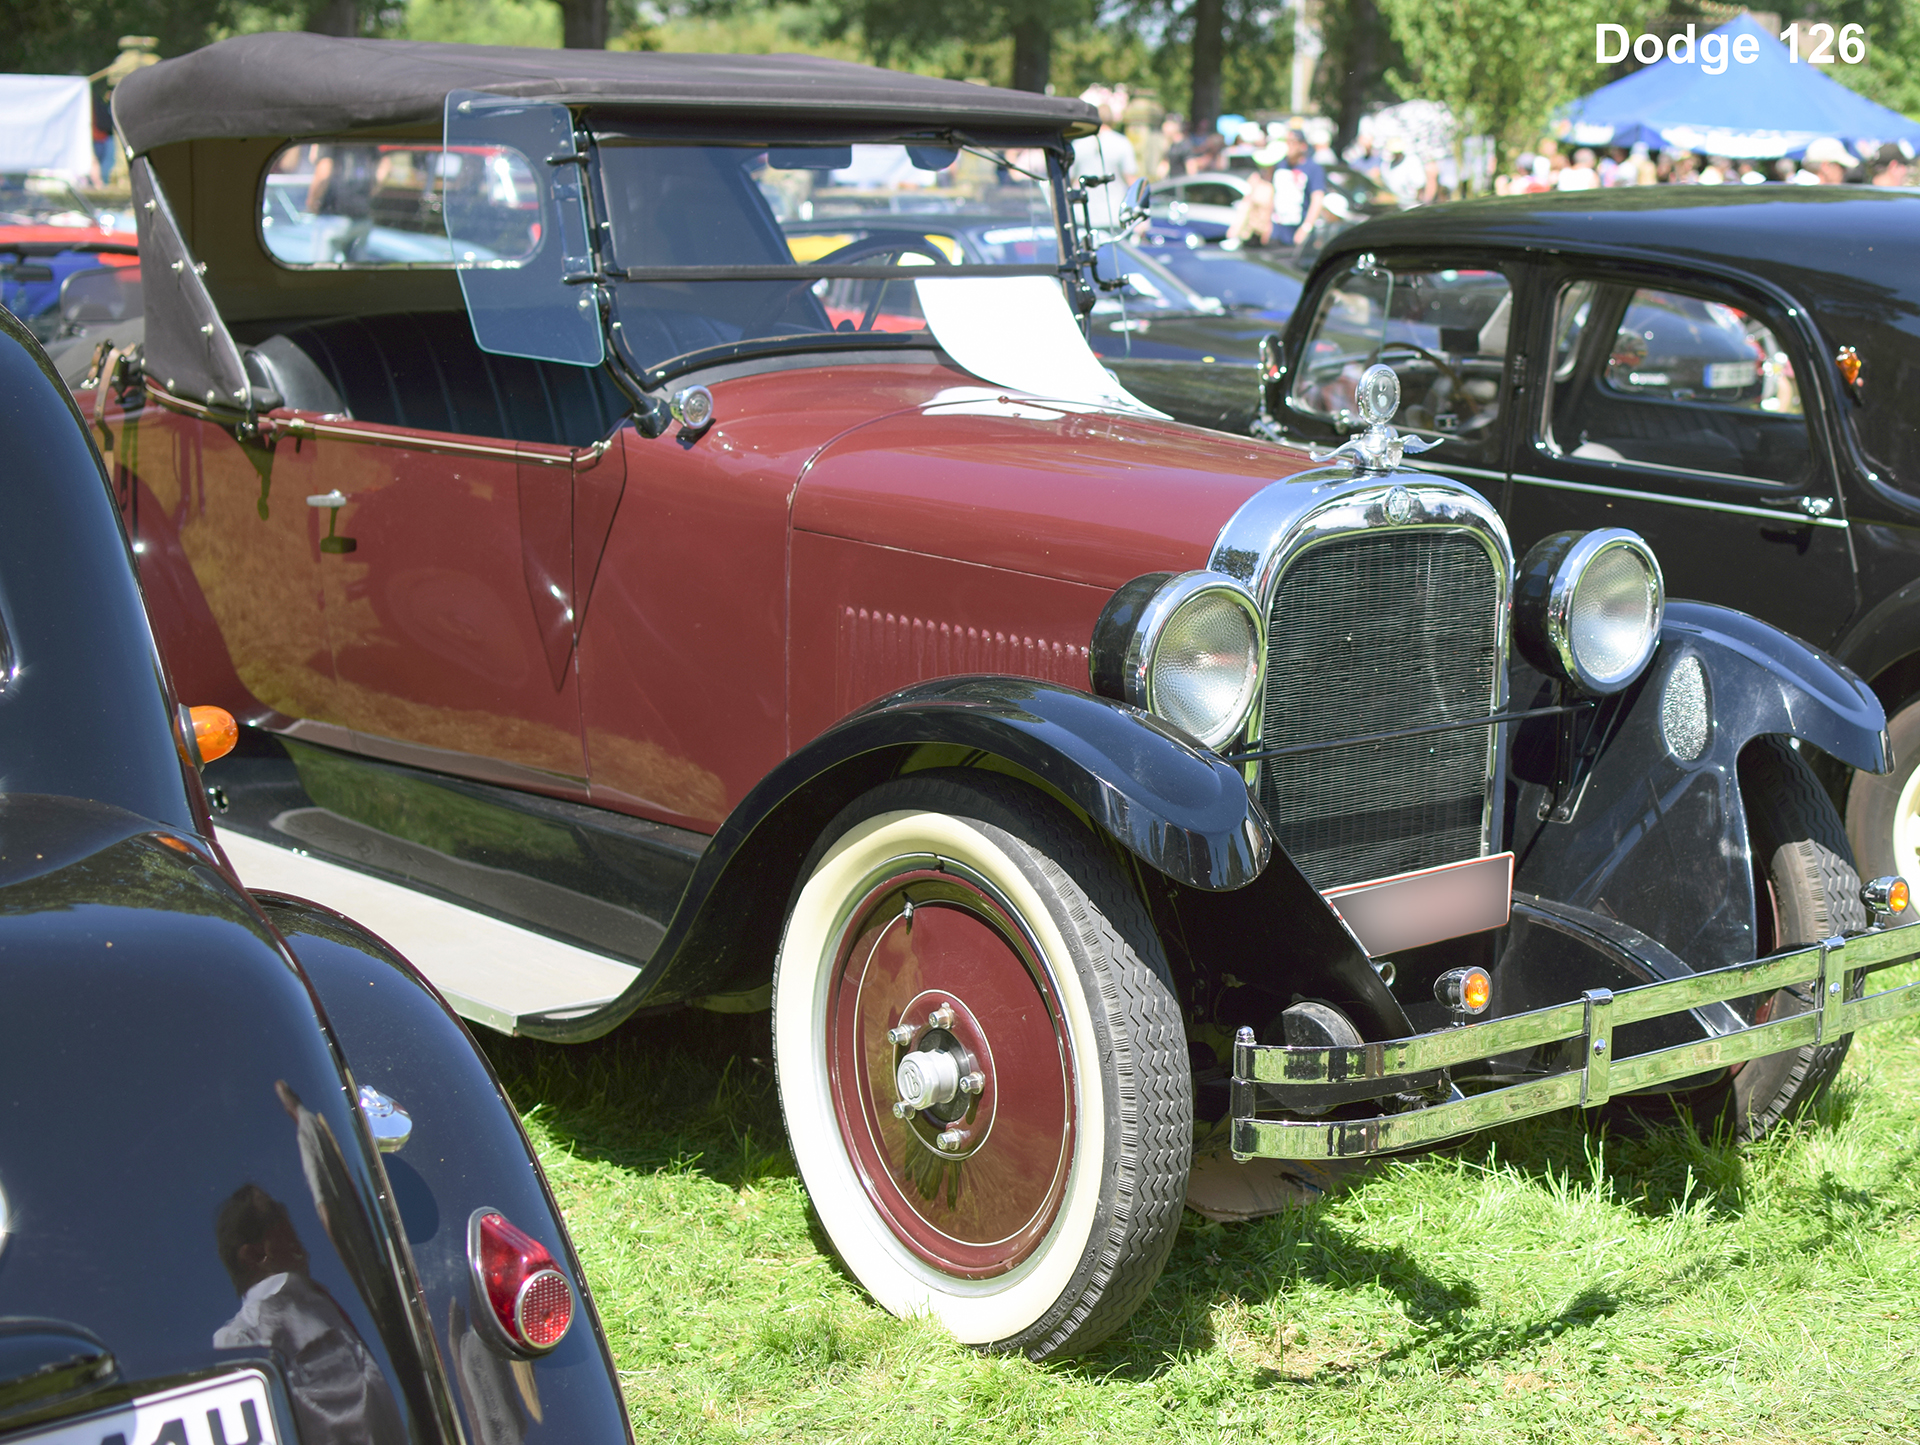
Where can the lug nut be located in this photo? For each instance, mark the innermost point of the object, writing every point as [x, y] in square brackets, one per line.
[941, 1018]
[952, 1139]
[973, 1083]
[904, 1111]
[900, 1036]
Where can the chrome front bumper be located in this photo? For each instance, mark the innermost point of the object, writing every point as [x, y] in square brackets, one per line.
[1835, 966]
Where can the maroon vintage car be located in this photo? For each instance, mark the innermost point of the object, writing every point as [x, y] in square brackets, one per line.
[624, 615]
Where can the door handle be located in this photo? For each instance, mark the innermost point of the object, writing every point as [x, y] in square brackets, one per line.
[335, 498]
[1807, 506]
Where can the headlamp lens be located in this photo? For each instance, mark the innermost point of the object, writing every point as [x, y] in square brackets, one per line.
[1205, 667]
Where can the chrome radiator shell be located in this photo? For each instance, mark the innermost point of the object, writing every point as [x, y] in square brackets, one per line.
[1316, 525]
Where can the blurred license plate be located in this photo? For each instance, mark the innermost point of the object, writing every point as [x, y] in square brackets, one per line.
[1724, 374]
[231, 1410]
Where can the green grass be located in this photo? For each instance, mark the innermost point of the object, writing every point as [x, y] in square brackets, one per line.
[1537, 1283]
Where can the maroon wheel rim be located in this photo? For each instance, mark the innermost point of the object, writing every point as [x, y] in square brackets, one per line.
[922, 946]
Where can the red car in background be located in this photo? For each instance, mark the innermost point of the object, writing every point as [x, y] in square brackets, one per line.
[48, 232]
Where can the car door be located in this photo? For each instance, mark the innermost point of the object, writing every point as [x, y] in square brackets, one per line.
[1445, 324]
[448, 575]
[1687, 410]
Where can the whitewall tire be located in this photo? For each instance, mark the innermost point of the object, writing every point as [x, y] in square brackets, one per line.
[961, 946]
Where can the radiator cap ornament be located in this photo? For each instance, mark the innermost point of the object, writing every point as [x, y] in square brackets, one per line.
[1379, 447]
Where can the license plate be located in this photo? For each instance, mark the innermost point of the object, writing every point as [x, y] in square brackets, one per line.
[1724, 374]
[231, 1410]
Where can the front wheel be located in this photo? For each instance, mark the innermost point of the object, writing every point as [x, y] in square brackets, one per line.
[982, 1067]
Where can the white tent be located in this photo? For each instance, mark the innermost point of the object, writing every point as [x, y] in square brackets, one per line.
[46, 124]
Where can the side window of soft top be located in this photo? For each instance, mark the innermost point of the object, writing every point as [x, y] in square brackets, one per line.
[1679, 380]
[1443, 330]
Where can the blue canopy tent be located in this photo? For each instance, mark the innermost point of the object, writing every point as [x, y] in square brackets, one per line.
[1767, 107]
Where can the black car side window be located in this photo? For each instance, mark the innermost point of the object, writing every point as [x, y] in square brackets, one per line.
[1443, 331]
[1658, 378]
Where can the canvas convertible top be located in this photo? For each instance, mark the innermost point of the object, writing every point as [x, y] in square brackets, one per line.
[295, 84]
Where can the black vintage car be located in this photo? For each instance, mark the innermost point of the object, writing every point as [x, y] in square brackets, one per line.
[1725, 371]
[256, 1182]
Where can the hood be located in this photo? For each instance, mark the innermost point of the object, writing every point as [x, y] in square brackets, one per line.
[1052, 489]
[171, 1099]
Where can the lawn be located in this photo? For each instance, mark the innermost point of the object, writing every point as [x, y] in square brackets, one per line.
[1541, 1282]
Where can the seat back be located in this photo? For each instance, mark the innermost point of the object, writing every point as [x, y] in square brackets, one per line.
[424, 371]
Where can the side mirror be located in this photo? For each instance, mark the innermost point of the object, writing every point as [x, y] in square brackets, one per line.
[101, 293]
[1273, 385]
[1138, 202]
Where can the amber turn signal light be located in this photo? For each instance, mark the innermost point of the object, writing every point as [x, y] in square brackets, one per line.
[1886, 896]
[214, 732]
[1464, 990]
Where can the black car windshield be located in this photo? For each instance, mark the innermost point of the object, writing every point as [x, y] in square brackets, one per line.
[716, 245]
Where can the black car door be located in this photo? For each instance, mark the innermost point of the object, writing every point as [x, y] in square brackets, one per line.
[1686, 409]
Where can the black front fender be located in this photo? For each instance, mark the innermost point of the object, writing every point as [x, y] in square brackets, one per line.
[1171, 803]
[1659, 842]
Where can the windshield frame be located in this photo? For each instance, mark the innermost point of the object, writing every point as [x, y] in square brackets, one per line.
[611, 131]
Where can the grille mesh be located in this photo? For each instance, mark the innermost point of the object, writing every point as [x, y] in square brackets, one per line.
[1371, 633]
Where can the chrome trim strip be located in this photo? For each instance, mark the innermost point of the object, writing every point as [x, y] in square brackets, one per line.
[1280, 522]
[1771, 514]
[351, 431]
[1593, 1019]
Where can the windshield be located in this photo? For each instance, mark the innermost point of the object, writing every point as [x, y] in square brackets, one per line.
[715, 245]
[30, 200]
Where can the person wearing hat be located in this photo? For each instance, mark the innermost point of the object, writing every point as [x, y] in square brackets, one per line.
[1892, 164]
[1825, 163]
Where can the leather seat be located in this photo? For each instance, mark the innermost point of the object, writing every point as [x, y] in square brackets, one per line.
[424, 371]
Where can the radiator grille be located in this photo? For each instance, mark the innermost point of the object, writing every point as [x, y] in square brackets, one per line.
[1370, 633]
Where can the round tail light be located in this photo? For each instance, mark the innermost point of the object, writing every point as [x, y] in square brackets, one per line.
[526, 1295]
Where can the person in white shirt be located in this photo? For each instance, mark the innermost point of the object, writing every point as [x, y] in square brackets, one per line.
[1105, 153]
[1581, 175]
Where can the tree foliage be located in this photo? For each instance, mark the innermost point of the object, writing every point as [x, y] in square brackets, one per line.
[1502, 66]
[78, 37]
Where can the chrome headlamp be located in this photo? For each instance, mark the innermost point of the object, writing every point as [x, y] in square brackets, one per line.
[1587, 608]
[1188, 648]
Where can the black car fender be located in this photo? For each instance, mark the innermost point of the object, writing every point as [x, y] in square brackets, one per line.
[1884, 646]
[1179, 809]
[1657, 840]
[467, 1151]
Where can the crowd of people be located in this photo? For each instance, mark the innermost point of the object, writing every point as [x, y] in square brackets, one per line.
[1825, 162]
[1286, 201]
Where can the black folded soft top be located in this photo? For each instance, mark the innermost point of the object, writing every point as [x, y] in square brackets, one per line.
[296, 84]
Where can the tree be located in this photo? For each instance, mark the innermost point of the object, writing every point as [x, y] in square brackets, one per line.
[1360, 54]
[894, 30]
[78, 37]
[1502, 66]
[584, 24]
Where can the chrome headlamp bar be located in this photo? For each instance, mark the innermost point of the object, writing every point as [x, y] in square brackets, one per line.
[1394, 1065]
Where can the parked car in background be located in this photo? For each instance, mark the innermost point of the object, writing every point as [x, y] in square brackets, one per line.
[256, 1182]
[649, 625]
[1723, 373]
[47, 233]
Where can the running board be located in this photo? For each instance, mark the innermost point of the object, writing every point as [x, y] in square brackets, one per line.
[490, 972]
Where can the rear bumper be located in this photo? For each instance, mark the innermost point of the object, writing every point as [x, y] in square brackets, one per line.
[1835, 970]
